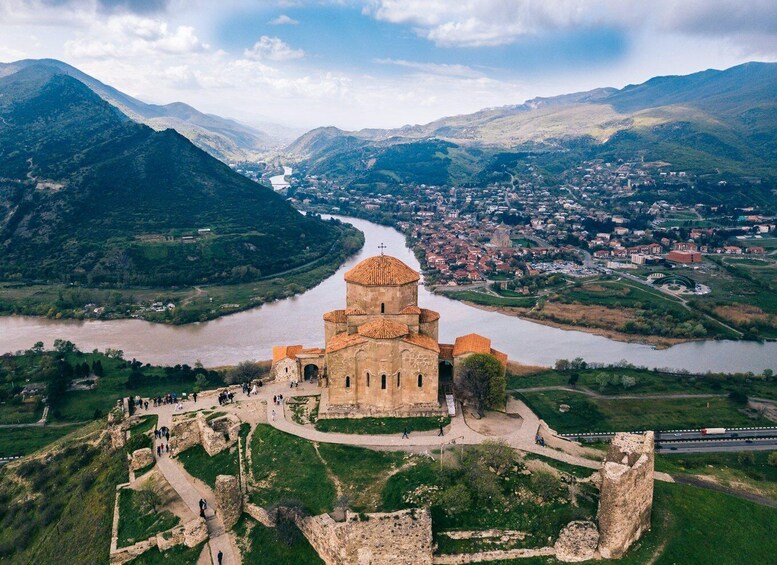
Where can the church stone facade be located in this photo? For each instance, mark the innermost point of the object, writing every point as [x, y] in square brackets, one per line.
[381, 356]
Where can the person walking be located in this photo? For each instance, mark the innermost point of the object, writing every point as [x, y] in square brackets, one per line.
[220, 556]
[442, 433]
[194, 395]
[273, 415]
[405, 434]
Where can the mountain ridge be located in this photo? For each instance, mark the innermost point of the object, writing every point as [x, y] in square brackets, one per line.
[224, 138]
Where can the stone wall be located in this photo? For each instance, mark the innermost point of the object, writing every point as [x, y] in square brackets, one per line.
[229, 500]
[626, 493]
[286, 370]
[189, 534]
[370, 298]
[396, 538]
[141, 458]
[400, 361]
[214, 436]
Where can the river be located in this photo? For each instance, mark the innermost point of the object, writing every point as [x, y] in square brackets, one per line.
[279, 182]
[251, 334]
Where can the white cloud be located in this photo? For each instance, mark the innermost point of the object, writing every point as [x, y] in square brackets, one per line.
[129, 36]
[432, 68]
[283, 19]
[272, 49]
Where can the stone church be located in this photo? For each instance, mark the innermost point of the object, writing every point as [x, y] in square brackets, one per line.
[381, 355]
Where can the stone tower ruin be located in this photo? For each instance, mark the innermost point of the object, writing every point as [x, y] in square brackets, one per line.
[627, 492]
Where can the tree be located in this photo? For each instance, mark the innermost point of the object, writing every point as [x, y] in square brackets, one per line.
[148, 498]
[772, 459]
[64, 347]
[244, 372]
[37, 348]
[738, 397]
[481, 379]
[454, 499]
[573, 378]
[746, 458]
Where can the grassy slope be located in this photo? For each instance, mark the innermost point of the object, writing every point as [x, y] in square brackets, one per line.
[380, 425]
[618, 414]
[287, 467]
[70, 521]
[136, 524]
[262, 545]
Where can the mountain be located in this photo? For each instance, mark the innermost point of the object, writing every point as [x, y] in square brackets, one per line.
[89, 195]
[722, 122]
[223, 138]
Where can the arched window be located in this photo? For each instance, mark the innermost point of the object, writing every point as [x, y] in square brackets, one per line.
[420, 380]
[368, 379]
[399, 377]
[382, 307]
[347, 381]
[383, 382]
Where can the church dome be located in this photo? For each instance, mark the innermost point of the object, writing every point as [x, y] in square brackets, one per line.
[383, 329]
[381, 270]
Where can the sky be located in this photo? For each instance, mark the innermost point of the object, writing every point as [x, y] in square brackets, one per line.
[380, 63]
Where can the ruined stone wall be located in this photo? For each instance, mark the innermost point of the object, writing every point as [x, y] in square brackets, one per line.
[626, 497]
[229, 499]
[403, 538]
[141, 458]
[214, 436]
[369, 298]
[184, 433]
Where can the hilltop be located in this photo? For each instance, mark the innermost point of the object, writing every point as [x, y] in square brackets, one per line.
[223, 138]
[89, 196]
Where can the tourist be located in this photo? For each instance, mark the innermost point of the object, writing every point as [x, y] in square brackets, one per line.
[194, 396]
[159, 451]
[275, 399]
[145, 404]
[254, 390]
[442, 433]
[220, 556]
[405, 434]
[273, 415]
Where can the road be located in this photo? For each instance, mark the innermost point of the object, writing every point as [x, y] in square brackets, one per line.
[694, 441]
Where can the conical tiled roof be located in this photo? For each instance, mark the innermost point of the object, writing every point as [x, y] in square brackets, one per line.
[381, 270]
[383, 329]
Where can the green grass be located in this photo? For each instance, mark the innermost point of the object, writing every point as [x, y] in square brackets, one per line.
[262, 545]
[611, 381]
[370, 426]
[620, 414]
[514, 509]
[361, 472]
[490, 300]
[199, 464]
[63, 511]
[145, 424]
[23, 441]
[688, 521]
[137, 523]
[23, 413]
[177, 555]
[287, 467]
[727, 468]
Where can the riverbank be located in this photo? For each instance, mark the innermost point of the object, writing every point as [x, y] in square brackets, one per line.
[657, 342]
[174, 306]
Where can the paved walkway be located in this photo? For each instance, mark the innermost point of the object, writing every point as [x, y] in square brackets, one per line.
[191, 491]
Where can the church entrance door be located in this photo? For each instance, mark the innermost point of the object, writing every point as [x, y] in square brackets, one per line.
[310, 372]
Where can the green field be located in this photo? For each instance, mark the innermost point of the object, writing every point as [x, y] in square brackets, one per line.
[620, 414]
[617, 381]
[23, 441]
[137, 522]
[287, 467]
[259, 544]
[491, 300]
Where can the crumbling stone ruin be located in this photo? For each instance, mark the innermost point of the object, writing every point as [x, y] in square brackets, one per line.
[577, 542]
[626, 493]
[141, 458]
[190, 534]
[396, 538]
[214, 435]
[229, 499]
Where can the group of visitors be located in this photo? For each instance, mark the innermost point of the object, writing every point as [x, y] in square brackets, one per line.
[293, 383]
[249, 390]
[166, 399]
[277, 399]
[203, 507]
[225, 397]
[160, 434]
[163, 432]
[162, 448]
